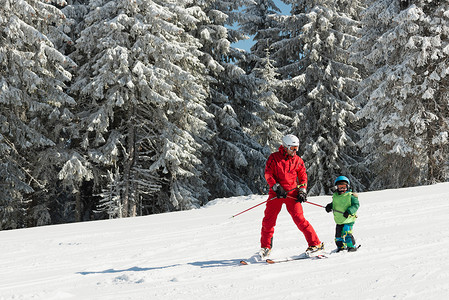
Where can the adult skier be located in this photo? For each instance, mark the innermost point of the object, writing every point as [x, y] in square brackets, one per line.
[344, 200]
[286, 175]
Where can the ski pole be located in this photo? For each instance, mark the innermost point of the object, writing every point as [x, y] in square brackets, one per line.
[253, 207]
[325, 207]
[319, 205]
[259, 204]
[307, 201]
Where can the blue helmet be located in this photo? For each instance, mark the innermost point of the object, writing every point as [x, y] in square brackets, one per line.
[341, 178]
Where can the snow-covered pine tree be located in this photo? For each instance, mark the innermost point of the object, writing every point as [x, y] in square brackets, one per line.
[111, 202]
[404, 98]
[313, 57]
[142, 92]
[241, 157]
[234, 159]
[272, 110]
[13, 182]
[257, 21]
[33, 107]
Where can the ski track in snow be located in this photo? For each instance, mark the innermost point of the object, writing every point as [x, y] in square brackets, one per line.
[195, 254]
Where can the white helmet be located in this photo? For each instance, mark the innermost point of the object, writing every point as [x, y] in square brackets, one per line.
[290, 140]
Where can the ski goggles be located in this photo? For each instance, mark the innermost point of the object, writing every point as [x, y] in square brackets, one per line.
[342, 186]
[293, 148]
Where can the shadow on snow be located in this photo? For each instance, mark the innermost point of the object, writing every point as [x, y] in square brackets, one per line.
[132, 269]
[216, 263]
[201, 264]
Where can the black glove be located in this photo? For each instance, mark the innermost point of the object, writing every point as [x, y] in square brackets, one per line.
[279, 190]
[329, 207]
[302, 197]
[346, 214]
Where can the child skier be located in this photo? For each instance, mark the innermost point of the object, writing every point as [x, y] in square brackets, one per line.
[345, 204]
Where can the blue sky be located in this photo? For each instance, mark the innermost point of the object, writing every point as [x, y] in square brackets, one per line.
[246, 44]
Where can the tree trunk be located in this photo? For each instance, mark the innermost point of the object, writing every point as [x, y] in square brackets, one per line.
[78, 206]
[129, 204]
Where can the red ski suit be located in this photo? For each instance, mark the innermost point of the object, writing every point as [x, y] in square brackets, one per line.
[289, 172]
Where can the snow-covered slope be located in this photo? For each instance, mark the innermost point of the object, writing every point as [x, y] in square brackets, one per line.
[194, 254]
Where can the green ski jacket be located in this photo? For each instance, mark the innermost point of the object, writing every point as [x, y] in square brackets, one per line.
[345, 202]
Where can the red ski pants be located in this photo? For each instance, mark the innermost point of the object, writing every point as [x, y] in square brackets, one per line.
[295, 210]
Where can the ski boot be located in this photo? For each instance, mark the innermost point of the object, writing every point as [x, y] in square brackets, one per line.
[315, 248]
[264, 253]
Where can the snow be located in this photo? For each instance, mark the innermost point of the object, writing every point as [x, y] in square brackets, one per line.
[194, 254]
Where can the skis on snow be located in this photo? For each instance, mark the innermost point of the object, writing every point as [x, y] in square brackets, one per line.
[352, 250]
[252, 260]
[306, 255]
[297, 257]
[258, 259]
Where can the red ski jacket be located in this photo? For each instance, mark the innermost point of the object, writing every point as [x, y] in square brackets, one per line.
[288, 171]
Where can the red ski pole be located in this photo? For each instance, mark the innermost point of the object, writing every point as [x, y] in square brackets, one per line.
[317, 205]
[259, 204]
[307, 201]
[325, 207]
[253, 207]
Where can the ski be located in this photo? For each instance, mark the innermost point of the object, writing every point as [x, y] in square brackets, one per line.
[356, 248]
[297, 257]
[252, 260]
[245, 262]
[256, 259]
[336, 251]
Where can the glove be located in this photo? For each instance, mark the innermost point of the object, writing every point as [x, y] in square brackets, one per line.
[279, 190]
[302, 197]
[346, 214]
[329, 207]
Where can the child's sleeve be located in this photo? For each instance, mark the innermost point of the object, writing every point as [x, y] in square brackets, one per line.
[355, 204]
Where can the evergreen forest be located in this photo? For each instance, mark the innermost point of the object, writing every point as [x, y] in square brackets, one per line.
[123, 108]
